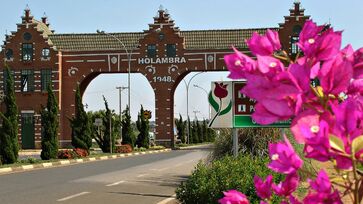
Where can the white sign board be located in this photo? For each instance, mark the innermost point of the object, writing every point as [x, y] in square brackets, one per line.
[98, 122]
[220, 100]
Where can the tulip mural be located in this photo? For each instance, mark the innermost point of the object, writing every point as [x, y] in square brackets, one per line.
[220, 91]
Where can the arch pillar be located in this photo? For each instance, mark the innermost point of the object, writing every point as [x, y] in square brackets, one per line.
[164, 114]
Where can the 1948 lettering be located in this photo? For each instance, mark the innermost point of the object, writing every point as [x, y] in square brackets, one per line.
[166, 79]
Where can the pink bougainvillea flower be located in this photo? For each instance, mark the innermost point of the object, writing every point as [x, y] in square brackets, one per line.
[273, 37]
[263, 188]
[317, 44]
[284, 158]
[322, 183]
[327, 45]
[349, 121]
[277, 97]
[305, 125]
[318, 147]
[323, 191]
[323, 198]
[335, 75]
[294, 200]
[233, 197]
[220, 90]
[358, 64]
[288, 186]
[239, 63]
[355, 87]
[267, 64]
[310, 31]
[264, 45]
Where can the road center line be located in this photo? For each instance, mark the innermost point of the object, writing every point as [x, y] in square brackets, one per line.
[141, 175]
[116, 183]
[72, 196]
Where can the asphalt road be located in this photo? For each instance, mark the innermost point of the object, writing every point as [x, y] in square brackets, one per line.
[137, 179]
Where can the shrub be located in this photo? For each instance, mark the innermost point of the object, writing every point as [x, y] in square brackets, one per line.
[80, 152]
[29, 160]
[123, 148]
[207, 182]
[66, 154]
[140, 149]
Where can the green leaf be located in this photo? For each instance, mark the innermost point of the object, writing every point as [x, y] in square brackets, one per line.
[336, 143]
[227, 109]
[357, 144]
[212, 102]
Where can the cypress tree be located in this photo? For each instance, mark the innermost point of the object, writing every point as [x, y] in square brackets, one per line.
[181, 127]
[50, 127]
[199, 132]
[81, 126]
[9, 146]
[128, 136]
[109, 135]
[142, 125]
[205, 131]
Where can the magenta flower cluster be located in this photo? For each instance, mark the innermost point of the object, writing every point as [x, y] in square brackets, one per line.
[320, 89]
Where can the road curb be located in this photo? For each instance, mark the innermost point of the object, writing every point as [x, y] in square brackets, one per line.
[75, 161]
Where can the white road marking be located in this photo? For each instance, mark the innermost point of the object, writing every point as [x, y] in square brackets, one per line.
[116, 183]
[73, 196]
[167, 200]
[141, 175]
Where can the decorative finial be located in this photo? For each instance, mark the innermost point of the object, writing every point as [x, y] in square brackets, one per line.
[27, 7]
[166, 11]
[45, 15]
[161, 8]
[296, 1]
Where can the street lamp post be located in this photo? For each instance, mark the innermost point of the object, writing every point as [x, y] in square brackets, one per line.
[195, 85]
[129, 54]
[120, 89]
[187, 88]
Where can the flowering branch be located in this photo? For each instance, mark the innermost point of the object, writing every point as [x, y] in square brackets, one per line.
[327, 114]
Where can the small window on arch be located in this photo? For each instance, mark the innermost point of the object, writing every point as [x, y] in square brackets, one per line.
[170, 50]
[151, 51]
[296, 30]
[45, 53]
[9, 54]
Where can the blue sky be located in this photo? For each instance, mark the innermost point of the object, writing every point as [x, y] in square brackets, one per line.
[86, 16]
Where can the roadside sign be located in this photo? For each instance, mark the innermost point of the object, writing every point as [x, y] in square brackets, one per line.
[220, 100]
[98, 122]
[147, 114]
[236, 108]
[244, 107]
